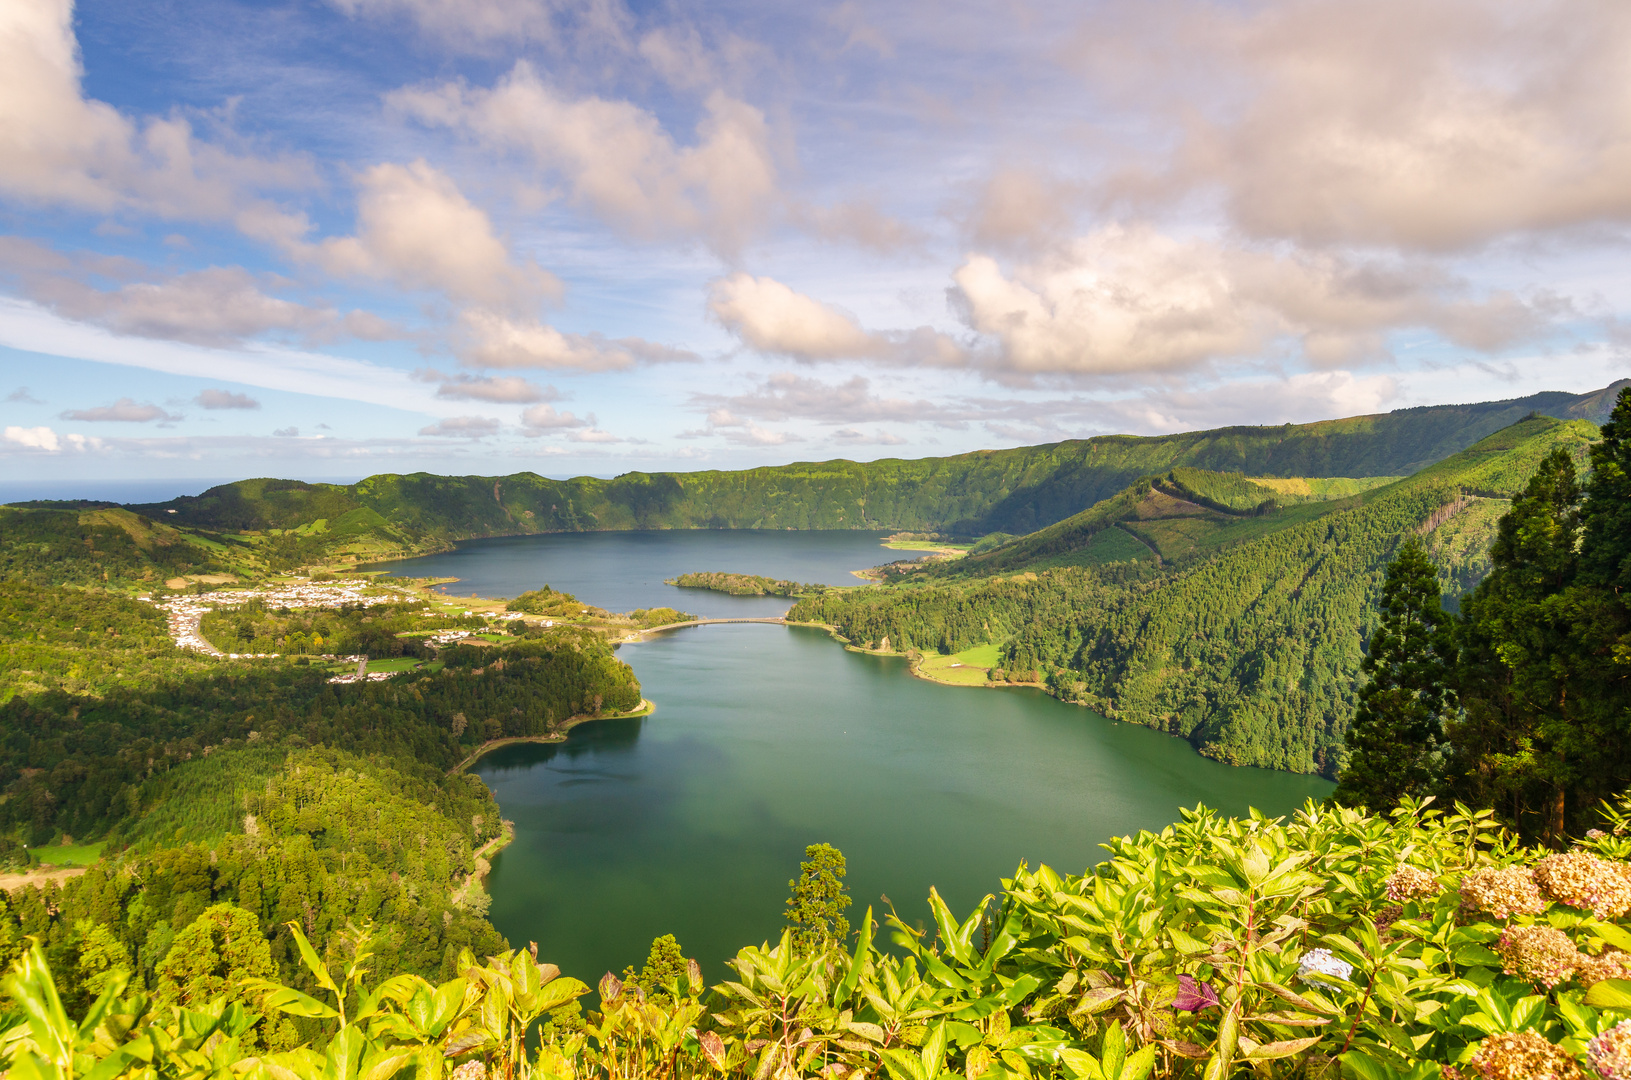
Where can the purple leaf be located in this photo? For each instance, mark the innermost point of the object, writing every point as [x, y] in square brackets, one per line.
[1193, 996]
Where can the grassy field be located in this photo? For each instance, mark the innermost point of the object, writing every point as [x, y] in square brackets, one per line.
[970, 667]
[68, 854]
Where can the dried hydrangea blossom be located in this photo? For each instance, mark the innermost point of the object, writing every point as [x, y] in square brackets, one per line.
[1583, 880]
[1502, 893]
[1610, 1052]
[1612, 964]
[1541, 954]
[1409, 883]
[1523, 1055]
[470, 1070]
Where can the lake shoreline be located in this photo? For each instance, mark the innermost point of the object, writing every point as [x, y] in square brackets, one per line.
[914, 663]
[647, 708]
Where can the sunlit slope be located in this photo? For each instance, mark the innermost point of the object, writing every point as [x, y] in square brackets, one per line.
[1016, 491]
[1247, 642]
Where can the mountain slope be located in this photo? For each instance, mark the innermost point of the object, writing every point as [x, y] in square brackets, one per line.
[1016, 491]
[1247, 642]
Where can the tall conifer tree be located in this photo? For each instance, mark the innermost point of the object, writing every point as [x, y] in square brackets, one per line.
[1395, 738]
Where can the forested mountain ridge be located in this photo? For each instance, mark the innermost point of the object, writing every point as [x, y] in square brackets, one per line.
[1016, 491]
[1248, 645]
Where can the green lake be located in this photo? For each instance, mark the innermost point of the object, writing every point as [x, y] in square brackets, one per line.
[766, 739]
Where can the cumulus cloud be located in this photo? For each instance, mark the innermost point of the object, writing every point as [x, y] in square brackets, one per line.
[125, 410]
[416, 229]
[1425, 125]
[286, 433]
[506, 389]
[43, 440]
[545, 418]
[616, 159]
[224, 399]
[774, 319]
[34, 438]
[21, 396]
[1022, 210]
[463, 427]
[1125, 301]
[59, 148]
[489, 339]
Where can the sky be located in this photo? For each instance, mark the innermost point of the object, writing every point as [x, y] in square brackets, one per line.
[323, 239]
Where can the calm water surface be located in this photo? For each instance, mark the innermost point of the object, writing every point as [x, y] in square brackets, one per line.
[621, 571]
[766, 739]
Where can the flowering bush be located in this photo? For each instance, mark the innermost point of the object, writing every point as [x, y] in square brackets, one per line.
[1218, 948]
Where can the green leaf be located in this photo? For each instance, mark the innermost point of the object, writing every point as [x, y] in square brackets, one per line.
[1610, 994]
[313, 962]
[1081, 1064]
[903, 1065]
[1138, 1064]
[1113, 1051]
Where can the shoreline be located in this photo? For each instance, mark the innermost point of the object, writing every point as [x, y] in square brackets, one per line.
[914, 663]
[646, 708]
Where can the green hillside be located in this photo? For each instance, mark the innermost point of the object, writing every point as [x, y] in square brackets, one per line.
[1240, 631]
[1014, 491]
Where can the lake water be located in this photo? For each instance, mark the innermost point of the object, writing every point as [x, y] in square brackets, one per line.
[766, 739]
[621, 571]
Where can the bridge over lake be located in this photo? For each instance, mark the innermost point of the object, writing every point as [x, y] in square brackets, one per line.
[777, 620]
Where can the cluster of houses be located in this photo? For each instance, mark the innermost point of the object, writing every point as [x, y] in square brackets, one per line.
[185, 613]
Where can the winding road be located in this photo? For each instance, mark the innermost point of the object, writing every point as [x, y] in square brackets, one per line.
[778, 620]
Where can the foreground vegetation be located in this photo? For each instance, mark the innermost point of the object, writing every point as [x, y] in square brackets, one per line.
[1331, 943]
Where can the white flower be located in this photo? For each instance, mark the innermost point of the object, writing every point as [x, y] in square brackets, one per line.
[1321, 966]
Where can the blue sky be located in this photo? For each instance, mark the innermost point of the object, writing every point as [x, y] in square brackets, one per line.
[327, 238]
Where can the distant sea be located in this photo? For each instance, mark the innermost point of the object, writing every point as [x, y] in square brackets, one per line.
[121, 491]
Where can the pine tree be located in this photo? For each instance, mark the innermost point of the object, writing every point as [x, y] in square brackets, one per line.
[1394, 741]
[820, 897]
[1520, 746]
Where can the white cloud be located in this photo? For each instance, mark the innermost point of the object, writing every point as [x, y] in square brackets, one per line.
[35, 438]
[1133, 301]
[416, 229]
[785, 396]
[505, 389]
[615, 158]
[544, 418]
[214, 306]
[224, 399]
[125, 410]
[774, 319]
[492, 340]
[59, 148]
[1395, 122]
[463, 427]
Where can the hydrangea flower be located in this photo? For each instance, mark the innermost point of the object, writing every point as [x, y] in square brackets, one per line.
[1583, 880]
[1322, 966]
[1541, 954]
[1523, 1055]
[1610, 1053]
[1502, 893]
[1409, 883]
[1612, 964]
